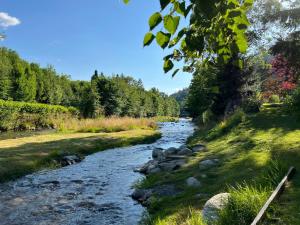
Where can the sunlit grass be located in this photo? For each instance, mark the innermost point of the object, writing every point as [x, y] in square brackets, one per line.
[247, 147]
[25, 155]
[112, 124]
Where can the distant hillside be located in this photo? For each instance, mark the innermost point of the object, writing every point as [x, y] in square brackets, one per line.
[181, 97]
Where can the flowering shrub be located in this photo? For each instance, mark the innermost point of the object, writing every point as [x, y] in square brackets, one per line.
[282, 78]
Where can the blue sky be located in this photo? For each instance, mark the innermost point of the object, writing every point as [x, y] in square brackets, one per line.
[79, 36]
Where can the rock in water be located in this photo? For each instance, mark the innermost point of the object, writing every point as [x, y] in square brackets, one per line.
[157, 152]
[170, 151]
[193, 182]
[212, 207]
[69, 160]
[141, 195]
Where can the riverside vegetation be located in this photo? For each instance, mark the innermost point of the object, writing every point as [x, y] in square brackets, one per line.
[25, 153]
[253, 151]
[238, 75]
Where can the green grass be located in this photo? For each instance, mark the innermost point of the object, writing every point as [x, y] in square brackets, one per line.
[247, 146]
[25, 155]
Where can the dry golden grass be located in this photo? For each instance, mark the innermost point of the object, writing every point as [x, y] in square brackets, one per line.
[111, 124]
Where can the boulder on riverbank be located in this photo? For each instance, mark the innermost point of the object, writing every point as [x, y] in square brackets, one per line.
[192, 182]
[212, 207]
[145, 196]
[208, 163]
[70, 159]
[198, 148]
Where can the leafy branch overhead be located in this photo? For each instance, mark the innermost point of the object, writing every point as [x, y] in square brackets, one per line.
[216, 30]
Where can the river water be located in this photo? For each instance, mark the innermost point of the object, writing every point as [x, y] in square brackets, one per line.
[95, 191]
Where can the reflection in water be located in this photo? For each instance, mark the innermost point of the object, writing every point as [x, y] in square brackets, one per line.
[95, 191]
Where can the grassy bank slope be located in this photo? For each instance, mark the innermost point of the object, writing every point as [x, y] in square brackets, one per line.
[28, 154]
[246, 146]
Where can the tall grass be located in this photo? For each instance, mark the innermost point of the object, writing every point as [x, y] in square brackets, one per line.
[111, 124]
[244, 203]
[247, 199]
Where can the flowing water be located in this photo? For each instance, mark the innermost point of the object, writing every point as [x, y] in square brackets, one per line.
[94, 191]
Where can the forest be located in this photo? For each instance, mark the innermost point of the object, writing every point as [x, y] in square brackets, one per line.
[116, 95]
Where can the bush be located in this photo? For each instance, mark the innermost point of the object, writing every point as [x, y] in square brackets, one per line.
[30, 116]
[251, 105]
[207, 116]
[293, 102]
[274, 99]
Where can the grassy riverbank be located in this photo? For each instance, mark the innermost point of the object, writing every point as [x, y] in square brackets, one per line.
[25, 155]
[253, 151]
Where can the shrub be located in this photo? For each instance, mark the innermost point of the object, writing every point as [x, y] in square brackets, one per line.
[207, 116]
[293, 102]
[274, 99]
[30, 116]
[251, 105]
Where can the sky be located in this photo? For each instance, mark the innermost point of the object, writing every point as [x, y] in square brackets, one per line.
[79, 36]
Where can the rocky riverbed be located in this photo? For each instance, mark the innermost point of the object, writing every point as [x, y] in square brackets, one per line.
[95, 191]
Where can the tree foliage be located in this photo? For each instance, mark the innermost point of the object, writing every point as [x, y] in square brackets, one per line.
[102, 96]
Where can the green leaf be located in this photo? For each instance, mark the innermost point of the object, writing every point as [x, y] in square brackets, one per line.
[164, 3]
[242, 44]
[162, 39]
[175, 72]
[177, 39]
[168, 56]
[180, 8]
[168, 65]
[171, 23]
[148, 39]
[183, 44]
[154, 20]
[126, 1]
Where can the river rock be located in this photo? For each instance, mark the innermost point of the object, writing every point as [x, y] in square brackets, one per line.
[69, 160]
[141, 195]
[147, 166]
[185, 151]
[171, 165]
[212, 207]
[152, 170]
[192, 182]
[208, 163]
[170, 151]
[198, 148]
[157, 152]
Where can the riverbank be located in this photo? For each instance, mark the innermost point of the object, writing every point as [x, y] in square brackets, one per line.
[95, 191]
[245, 149]
[25, 155]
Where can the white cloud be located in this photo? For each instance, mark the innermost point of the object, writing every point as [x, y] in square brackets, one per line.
[2, 37]
[7, 20]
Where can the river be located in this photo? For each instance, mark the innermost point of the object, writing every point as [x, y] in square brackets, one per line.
[95, 191]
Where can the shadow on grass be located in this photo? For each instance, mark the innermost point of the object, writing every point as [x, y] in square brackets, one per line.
[245, 156]
[30, 157]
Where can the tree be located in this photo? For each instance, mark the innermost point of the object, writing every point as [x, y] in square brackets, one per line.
[216, 31]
